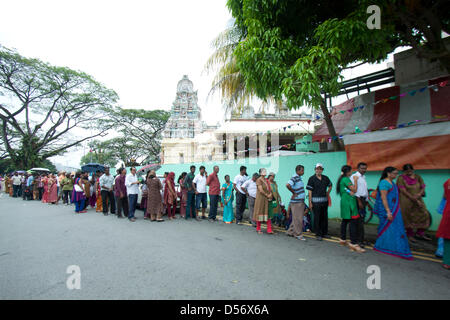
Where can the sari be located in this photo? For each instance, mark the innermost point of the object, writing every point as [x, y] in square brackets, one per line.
[391, 237]
[52, 191]
[98, 193]
[183, 198]
[45, 194]
[228, 215]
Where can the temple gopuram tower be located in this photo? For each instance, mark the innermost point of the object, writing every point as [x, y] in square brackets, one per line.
[186, 137]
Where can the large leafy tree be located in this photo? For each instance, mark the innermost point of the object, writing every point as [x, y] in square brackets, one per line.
[140, 134]
[41, 105]
[297, 49]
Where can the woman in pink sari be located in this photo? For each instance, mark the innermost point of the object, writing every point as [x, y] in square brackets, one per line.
[52, 190]
[44, 180]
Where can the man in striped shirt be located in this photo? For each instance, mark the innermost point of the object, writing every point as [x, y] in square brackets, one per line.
[297, 204]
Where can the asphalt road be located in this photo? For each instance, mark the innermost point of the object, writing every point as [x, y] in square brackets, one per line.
[182, 259]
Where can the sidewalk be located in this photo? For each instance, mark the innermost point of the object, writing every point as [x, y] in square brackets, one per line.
[370, 231]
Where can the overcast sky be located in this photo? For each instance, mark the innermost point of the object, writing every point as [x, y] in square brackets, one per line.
[140, 49]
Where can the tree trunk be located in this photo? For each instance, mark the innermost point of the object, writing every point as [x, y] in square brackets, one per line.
[337, 143]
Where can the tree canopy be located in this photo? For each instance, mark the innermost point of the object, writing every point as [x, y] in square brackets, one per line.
[41, 105]
[297, 49]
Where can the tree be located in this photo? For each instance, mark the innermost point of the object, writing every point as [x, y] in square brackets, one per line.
[99, 153]
[297, 49]
[140, 134]
[45, 104]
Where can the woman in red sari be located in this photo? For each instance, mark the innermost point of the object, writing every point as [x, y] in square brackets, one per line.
[52, 190]
[45, 194]
[170, 196]
[444, 227]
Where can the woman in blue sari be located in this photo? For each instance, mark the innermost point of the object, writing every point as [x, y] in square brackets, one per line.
[391, 237]
[227, 199]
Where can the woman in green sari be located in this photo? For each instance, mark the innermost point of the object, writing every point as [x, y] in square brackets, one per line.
[227, 199]
[274, 205]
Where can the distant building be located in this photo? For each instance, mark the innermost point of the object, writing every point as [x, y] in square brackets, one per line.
[186, 138]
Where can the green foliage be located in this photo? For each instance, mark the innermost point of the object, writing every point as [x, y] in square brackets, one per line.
[140, 134]
[297, 49]
[45, 104]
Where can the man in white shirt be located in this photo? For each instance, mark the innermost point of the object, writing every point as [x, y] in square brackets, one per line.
[132, 184]
[106, 186]
[241, 199]
[16, 183]
[362, 194]
[199, 185]
[249, 187]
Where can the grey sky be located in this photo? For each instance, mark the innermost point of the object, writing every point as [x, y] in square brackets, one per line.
[140, 49]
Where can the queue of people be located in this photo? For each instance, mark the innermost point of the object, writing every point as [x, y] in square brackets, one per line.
[399, 205]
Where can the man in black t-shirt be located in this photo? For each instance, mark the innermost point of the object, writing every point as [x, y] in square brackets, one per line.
[319, 187]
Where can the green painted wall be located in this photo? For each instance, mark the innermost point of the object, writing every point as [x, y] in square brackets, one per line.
[284, 168]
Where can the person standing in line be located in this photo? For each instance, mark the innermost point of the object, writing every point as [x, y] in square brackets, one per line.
[78, 196]
[183, 194]
[214, 193]
[191, 203]
[362, 196]
[45, 188]
[318, 201]
[414, 212]
[41, 187]
[60, 178]
[349, 210]
[263, 196]
[164, 190]
[98, 193]
[241, 198]
[297, 204]
[67, 187]
[121, 194]
[444, 227]
[249, 187]
[227, 199]
[52, 190]
[154, 198]
[35, 186]
[7, 180]
[170, 196]
[391, 238]
[106, 186]
[199, 184]
[132, 186]
[23, 185]
[87, 188]
[16, 183]
[29, 187]
[275, 204]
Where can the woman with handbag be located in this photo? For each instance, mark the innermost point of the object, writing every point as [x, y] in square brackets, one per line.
[78, 195]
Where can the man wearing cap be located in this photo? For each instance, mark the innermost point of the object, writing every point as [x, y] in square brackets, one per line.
[318, 201]
[241, 198]
[297, 204]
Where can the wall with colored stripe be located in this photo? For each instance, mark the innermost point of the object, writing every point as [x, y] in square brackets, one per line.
[284, 168]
